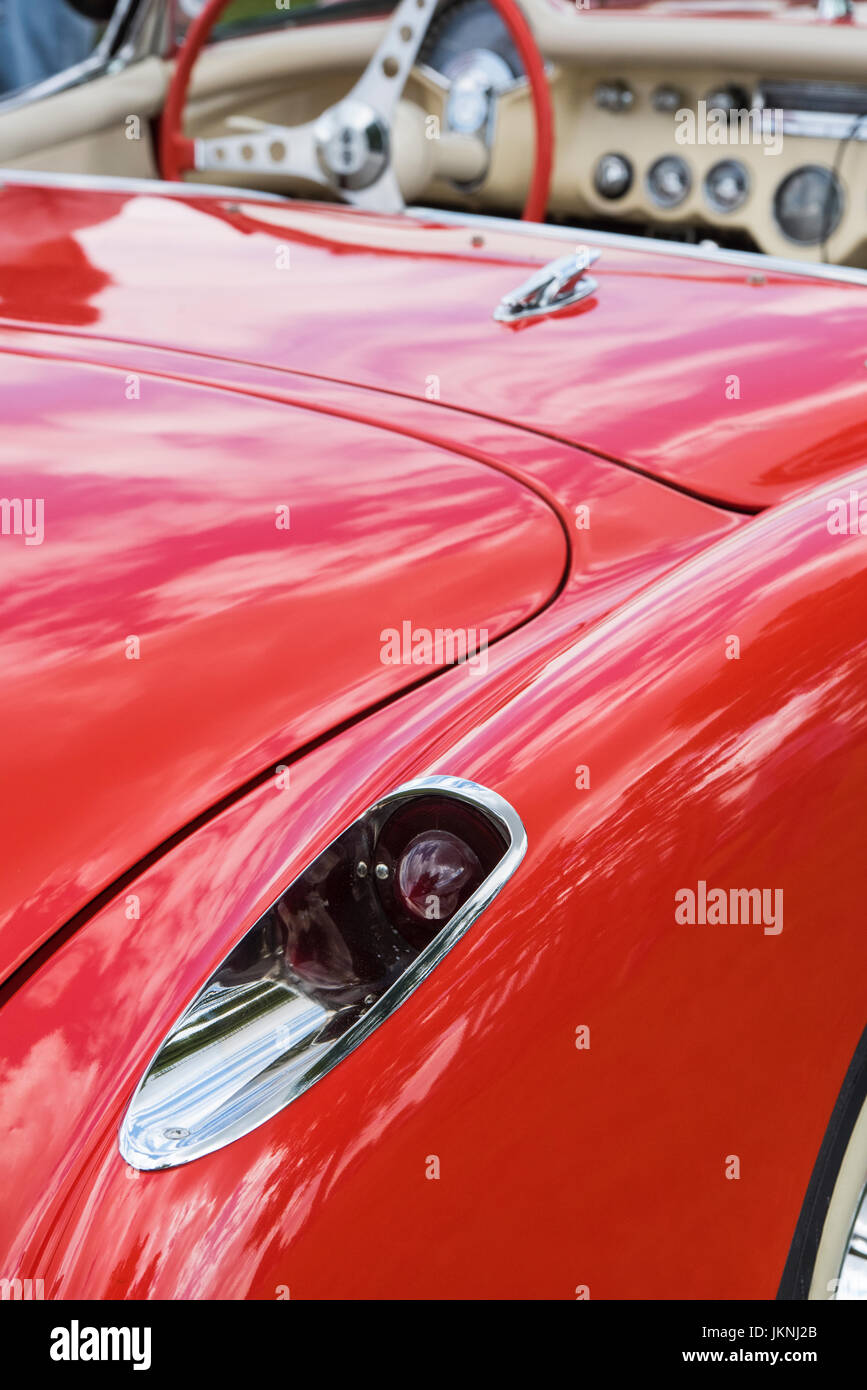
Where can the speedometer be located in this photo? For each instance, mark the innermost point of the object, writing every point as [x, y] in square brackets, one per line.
[464, 32]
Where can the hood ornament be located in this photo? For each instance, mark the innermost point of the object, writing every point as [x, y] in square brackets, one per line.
[556, 285]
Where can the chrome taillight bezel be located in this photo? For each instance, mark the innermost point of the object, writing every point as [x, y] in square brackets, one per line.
[149, 1143]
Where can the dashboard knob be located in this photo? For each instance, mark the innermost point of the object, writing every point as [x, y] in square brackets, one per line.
[729, 98]
[667, 99]
[614, 96]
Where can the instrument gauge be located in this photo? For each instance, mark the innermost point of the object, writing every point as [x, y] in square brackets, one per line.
[727, 185]
[612, 176]
[669, 181]
[808, 205]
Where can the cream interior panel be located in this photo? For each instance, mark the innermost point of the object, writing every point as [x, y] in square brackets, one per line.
[644, 135]
[237, 66]
[589, 39]
[85, 129]
[102, 152]
[584, 133]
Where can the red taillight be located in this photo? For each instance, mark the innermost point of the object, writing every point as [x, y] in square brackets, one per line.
[349, 939]
[435, 874]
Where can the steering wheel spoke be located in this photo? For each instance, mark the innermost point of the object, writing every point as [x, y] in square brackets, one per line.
[383, 80]
[263, 149]
[348, 150]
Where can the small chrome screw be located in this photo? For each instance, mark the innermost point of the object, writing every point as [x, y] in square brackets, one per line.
[381, 871]
[361, 869]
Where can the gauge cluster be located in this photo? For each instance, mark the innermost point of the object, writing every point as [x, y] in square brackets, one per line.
[697, 155]
[685, 152]
[725, 186]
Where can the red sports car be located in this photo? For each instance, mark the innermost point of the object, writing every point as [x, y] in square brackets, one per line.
[434, 694]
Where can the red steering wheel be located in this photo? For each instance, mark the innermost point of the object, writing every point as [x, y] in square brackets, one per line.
[348, 148]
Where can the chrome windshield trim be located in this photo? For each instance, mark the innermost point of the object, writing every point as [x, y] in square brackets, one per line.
[106, 57]
[239, 1114]
[115, 183]
[751, 260]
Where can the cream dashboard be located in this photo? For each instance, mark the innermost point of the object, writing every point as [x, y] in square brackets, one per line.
[655, 136]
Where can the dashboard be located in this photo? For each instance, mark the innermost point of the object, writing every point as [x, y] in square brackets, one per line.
[748, 158]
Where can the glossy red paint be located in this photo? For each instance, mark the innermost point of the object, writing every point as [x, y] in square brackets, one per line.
[254, 641]
[611, 655]
[390, 303]
[156, 533]
[705, 1041]
[255, 552]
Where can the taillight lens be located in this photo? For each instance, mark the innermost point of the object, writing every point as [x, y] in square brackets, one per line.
[435, 874]
[337, 952]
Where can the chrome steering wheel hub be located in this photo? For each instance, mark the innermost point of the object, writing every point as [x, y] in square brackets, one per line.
[352, 144]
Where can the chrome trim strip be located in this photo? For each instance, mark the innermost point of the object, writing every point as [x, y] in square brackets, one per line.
[752, 260]
[272, 1102]
[103, 59]
[824, 125]
[114, 183]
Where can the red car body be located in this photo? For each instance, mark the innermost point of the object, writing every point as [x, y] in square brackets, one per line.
[614, 493]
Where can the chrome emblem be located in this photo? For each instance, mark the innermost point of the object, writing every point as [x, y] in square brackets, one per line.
[556, 285]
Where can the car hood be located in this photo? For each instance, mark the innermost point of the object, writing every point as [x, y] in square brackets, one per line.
[741, 385]
[195, 585]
